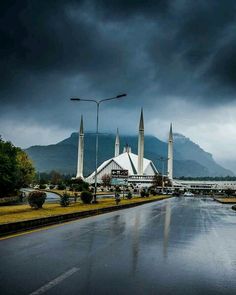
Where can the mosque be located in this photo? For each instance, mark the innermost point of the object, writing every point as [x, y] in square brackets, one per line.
[141, 171]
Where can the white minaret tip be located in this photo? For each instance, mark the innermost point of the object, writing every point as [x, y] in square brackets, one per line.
[141, 144]
[141, 123]
[117, 144]
[117, 137]
[171, 133]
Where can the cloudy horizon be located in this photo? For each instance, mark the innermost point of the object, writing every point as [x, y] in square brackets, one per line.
[176, 59]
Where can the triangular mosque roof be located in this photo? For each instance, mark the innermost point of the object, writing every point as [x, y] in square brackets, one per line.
[127, 161]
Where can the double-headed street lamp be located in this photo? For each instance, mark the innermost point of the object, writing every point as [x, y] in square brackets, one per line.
[98, 102]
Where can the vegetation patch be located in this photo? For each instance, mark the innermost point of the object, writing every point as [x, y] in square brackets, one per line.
[65, 200]
[16, 213]
[16, 169]
[36, 199]
[86, 197]
[231, 200]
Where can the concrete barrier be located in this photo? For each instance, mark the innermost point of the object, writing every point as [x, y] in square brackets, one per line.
[14, 227]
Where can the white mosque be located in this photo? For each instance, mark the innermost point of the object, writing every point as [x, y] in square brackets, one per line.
[141, 171]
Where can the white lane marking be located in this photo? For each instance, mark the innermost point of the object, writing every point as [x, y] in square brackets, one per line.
[55, 282]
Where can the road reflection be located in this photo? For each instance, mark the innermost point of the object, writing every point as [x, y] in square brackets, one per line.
[166, 228]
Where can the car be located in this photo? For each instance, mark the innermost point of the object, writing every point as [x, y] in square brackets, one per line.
[188, 194]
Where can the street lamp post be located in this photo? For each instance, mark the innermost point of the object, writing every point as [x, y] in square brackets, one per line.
[98, 102]
[162, 159]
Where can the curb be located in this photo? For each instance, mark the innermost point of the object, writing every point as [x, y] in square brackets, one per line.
[15, 227]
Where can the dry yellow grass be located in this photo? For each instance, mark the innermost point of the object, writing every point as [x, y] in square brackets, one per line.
[25, 212]
[227, 200]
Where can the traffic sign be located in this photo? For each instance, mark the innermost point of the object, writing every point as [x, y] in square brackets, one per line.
[118, 173]
[119, 181]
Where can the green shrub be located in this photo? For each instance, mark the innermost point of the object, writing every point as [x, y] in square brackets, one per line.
[36, 199]
[61, 187]
[118, 189]
[42, 186]
[143, 194]
[79, 185]
[65, 200]
[152, 192]
[146, 194]
[129, 196]
[86, 197]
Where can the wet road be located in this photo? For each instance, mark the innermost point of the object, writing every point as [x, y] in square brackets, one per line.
[176, 246]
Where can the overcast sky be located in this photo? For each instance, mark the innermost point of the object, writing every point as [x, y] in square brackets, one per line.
[176, 59]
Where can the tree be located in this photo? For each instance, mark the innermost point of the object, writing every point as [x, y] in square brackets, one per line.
[79, 185]
[8, 168]
[55, 177]
[26, 171]
[106, 180]
[16, 169]
[229, 192]
[157, 180]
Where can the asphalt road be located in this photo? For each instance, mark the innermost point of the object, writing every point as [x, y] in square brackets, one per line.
[176, 246]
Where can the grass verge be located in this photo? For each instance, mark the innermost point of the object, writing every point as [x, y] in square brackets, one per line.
[15, 213]
[226, 200]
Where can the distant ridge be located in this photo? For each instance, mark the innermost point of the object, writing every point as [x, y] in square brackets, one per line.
[190, 159]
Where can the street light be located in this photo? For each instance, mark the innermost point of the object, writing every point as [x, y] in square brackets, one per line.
[162, 159]
[97, 121]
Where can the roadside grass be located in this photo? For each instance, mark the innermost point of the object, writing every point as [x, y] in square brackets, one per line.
[16, 213]
[227, 200]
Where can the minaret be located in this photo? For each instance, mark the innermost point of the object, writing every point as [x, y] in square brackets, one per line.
[117, 144]
[80, 163]
[141, 145]
[170, 155]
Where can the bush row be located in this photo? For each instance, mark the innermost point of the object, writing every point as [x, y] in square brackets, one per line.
[36, 199]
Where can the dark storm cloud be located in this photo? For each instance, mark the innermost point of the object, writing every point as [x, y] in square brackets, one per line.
[150, 49]
[41, 37]
[122, 9]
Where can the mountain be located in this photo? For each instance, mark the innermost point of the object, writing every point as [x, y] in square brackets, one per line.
[188, 150]
[189, 158]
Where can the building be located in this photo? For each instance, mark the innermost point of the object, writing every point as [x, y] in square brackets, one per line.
[141, 171]
[126, 161]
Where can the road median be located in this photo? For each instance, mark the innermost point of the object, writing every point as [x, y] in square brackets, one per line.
[230, 200]
[20, 224]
